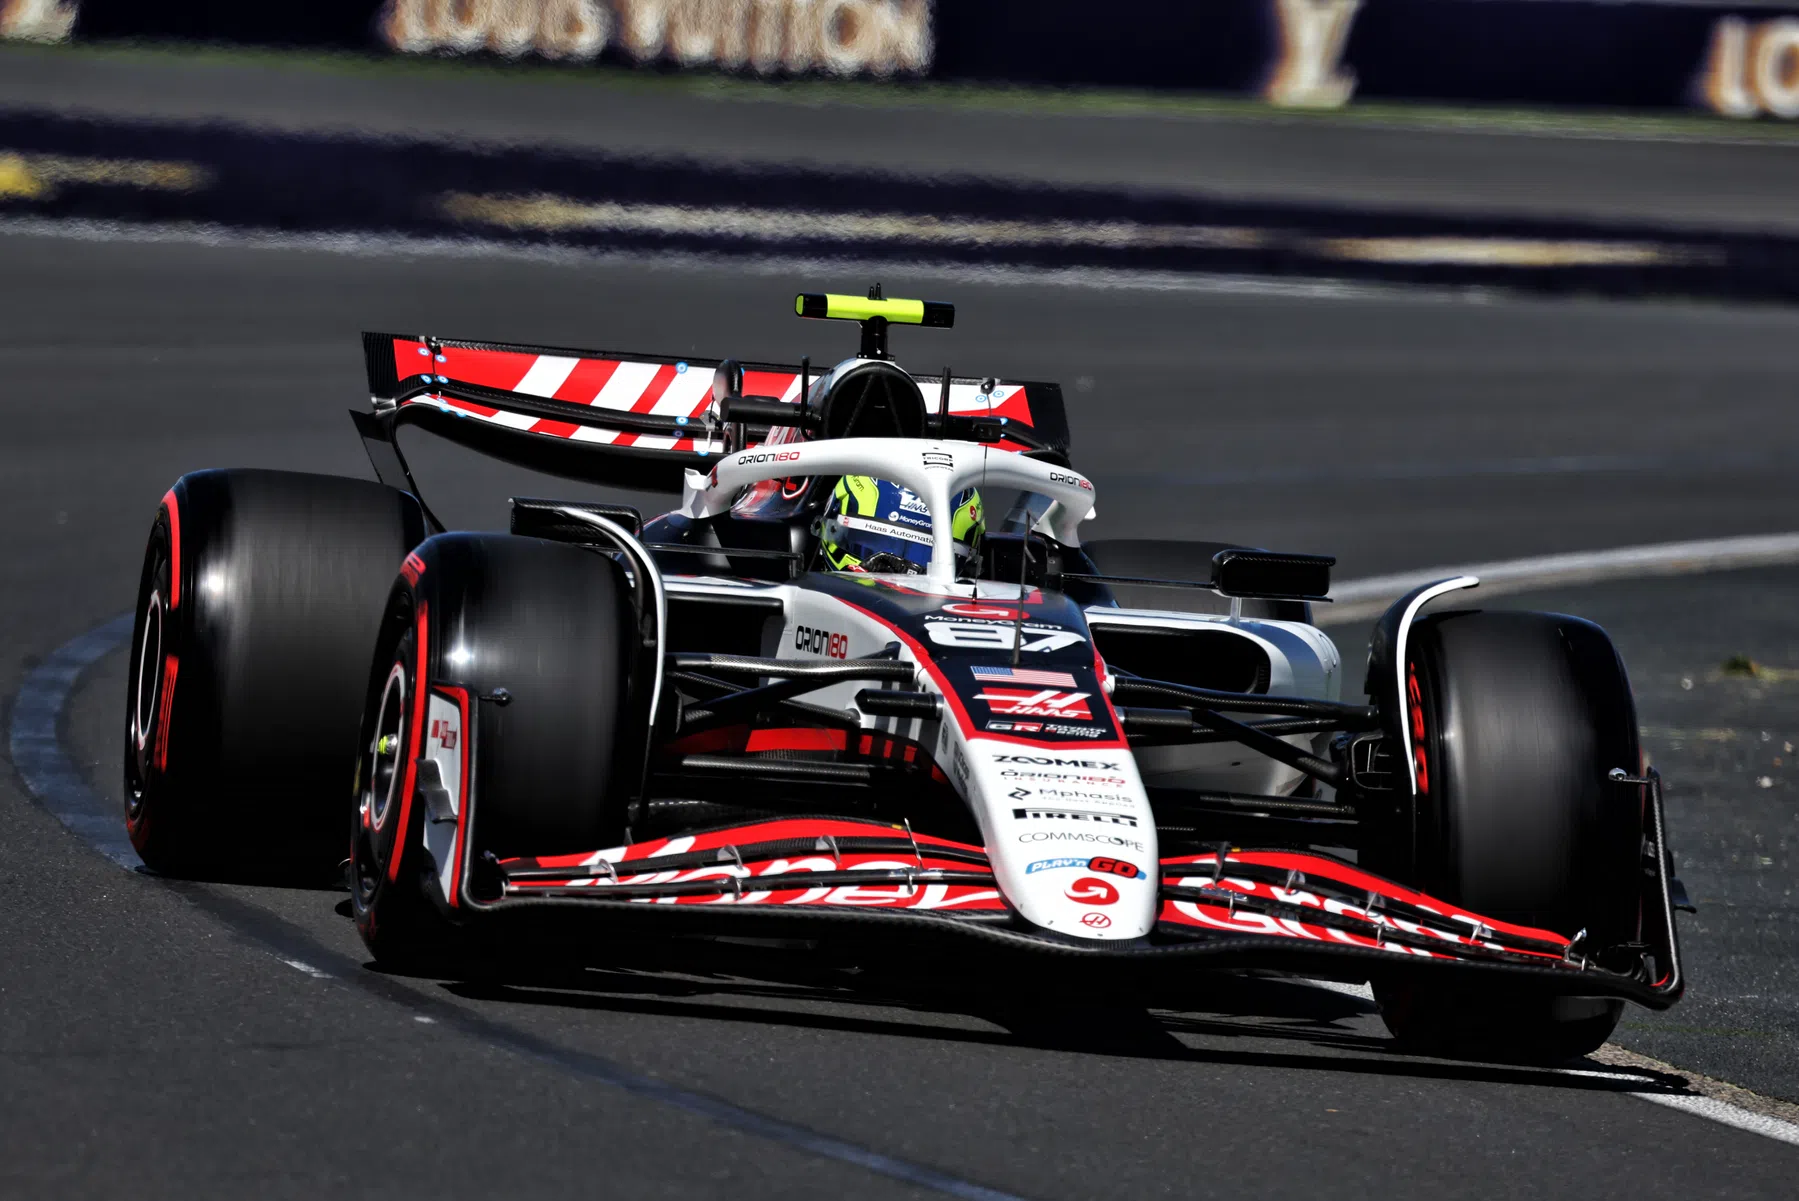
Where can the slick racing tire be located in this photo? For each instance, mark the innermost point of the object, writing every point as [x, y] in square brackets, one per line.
[257, 609]
[1522, 715]
[493, 726]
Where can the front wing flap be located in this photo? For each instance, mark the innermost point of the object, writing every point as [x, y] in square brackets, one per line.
[1277, 909]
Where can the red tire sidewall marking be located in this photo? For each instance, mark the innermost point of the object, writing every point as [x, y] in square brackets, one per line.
[421, 636]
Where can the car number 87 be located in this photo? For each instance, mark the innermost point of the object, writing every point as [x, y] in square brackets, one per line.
[998, 637]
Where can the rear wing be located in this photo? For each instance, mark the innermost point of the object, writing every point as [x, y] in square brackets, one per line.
[627, 419]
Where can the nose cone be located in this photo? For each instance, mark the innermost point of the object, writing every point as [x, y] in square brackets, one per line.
[1070, 836]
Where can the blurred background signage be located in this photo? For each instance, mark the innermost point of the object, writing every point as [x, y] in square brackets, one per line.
[37, 20]
[840, 37]
[1738, 58]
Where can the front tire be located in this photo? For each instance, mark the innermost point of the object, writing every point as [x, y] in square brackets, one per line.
[522, 643]
[1517, 718]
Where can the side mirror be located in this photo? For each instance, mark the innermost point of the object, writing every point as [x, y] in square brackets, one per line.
[1266, 575]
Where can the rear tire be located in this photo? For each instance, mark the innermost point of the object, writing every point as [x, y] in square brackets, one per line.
[256, 613]
[1522, 716]
[528, 638]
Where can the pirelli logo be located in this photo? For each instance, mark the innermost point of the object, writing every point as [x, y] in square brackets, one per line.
[1075, 815]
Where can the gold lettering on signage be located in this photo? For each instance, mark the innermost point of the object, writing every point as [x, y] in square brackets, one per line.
[37, 20]
[1310, 72]
[1753, 68]
[1726, 82]
[1777, 67]
[574, 29]
[843, 37]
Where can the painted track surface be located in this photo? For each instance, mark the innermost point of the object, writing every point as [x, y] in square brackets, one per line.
[152, 1044]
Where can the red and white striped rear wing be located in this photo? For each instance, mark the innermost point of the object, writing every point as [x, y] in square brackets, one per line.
[634, 419]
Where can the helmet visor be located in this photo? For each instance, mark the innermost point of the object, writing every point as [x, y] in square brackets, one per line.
[883, 546]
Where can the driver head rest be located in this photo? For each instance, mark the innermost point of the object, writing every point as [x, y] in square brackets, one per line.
[868, 398]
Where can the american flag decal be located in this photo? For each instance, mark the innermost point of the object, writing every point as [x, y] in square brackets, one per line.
[1014, 675]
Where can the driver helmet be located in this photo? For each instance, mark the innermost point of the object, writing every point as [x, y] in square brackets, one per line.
[879, 526]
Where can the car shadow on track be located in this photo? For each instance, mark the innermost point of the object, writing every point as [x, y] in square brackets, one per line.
[1240, 1020]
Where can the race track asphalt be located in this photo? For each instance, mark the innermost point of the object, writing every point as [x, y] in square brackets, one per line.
[153, 1045]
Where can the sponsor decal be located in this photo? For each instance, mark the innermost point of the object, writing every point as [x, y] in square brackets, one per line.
[969, 636]
[1082, 794]
[1092, 890]
[1080, 836]
[1049, 761]
[936, 460]
[1096, 921]
[904, 533]
[751, 458]
[1042, 702]
[911, 502]
[412, 569]
[815, 641]
[1058, 477]
[1118, 800]
[982, 612]
[1114, 867]
[1074, 815]
[1015, 727]
[445, 733]
[1074, 731]
[842, 37]
[1053, 865]
[1066, 777]
[1023, 675]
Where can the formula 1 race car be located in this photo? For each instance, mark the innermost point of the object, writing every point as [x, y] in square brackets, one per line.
[1126, 754]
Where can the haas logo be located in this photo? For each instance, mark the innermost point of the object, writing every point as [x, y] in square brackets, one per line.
[1091, 890]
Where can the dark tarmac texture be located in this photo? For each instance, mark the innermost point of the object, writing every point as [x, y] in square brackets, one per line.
[152, 1043]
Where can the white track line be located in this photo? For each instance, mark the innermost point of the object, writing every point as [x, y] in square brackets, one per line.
[1648, 1080]
[1728, 1114]
[1360, 599]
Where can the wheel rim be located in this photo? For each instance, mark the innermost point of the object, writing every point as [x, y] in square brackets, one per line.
[146, 698]
[149, 677]
[381, 775]
[386, 749]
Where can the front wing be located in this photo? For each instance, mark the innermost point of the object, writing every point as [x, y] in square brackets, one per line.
[1284, 910]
